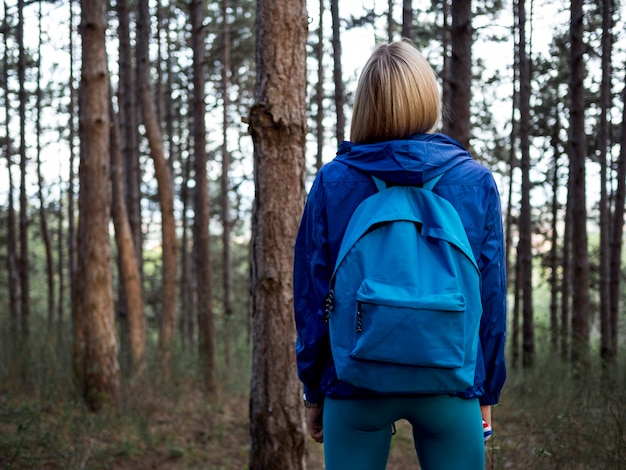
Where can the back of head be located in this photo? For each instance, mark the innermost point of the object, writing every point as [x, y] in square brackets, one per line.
[397, 95]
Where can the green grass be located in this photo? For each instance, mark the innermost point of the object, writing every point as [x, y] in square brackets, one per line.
[548, 419]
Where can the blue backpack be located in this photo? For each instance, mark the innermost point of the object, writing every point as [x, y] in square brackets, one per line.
[404, 305]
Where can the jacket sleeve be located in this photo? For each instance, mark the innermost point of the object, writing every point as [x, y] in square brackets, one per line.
[311, 276]
[493, 323]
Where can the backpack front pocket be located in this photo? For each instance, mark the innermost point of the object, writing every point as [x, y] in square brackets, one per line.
[398, 324]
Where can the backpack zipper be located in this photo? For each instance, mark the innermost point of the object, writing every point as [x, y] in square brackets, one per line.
[359, 318]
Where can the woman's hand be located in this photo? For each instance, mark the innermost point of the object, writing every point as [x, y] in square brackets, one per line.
[314, 423]
[486, 412]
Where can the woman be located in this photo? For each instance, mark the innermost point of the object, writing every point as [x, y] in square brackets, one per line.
[397, 105]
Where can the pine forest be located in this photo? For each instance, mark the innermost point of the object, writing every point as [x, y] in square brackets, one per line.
[155, 160]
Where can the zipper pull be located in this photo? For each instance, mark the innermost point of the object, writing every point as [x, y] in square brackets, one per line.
[328, 305]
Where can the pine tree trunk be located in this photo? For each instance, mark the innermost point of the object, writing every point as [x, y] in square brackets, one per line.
[43, 219]
[340, 94]
[525, 222]
[319, 89]
[165, 190]
[101, 374]
[24, 270]
[227, 272]
[129, 268]
[606, 352]
[577, 195]
[11, 243]
[278, 128]
[618, 232]
[201, 240]
[408, 31]
[459, 75]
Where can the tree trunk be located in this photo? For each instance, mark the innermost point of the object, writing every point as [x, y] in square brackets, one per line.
[76, 283]
[460, 73]
[390, 22]
[319, 89]
[577, 195]
[278, 128]
[23, 220]
[201, 239]
[340, 94]
[129, 268]
[554, 243]
[102, 374]
[227, 262]
[165, 190]
[43, 220]
[408, 31]
[606, 346]
[12, 259]
[618, 232]
[127, 97]
[566, 282]
[525, 222]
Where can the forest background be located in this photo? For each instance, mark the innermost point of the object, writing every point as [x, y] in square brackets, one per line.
[151, 195]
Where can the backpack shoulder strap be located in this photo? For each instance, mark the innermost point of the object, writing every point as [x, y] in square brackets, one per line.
[430, 184]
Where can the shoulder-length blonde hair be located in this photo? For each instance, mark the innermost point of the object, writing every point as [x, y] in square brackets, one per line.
[397, 95]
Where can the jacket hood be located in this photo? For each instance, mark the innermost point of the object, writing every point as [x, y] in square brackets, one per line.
[410, 161]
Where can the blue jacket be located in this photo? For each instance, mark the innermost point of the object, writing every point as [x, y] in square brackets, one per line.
[338, 189]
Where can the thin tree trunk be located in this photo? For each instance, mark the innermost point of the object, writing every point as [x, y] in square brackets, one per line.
[408, 31]
[101, 373]
[201, 239]
[278, 128]
[577, 195]
[23, 219]
[319, 89]
[43, 220]
[460, 73]
[12, 260]
[340, 94]
[554, 245]
[390, 22]
[74, 234]
[227, 272]
[566, 282]
[617, 232]
[127, 95]
[525, 222]
[165, 190]
[606, 352]
[129, 268]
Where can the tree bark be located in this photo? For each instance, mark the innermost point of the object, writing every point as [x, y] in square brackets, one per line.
[227, 261]
[278, 128]
[102, 374]
[408, 31]
[201, 240]
[165, 190]
[129, 268]
[525, 221]
[618, 232]
[340, 94]
[577, 194]
[319, 89]
[24, 270]
[459, 76]
[606, 346]
[43, 219]
[12, 259]
[127, 96]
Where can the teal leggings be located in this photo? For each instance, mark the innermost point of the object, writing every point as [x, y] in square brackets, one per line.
[447, 431]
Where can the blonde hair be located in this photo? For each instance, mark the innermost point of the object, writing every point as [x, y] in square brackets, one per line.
[397, 95]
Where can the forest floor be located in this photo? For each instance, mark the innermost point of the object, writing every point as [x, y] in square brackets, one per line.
[546, 420]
